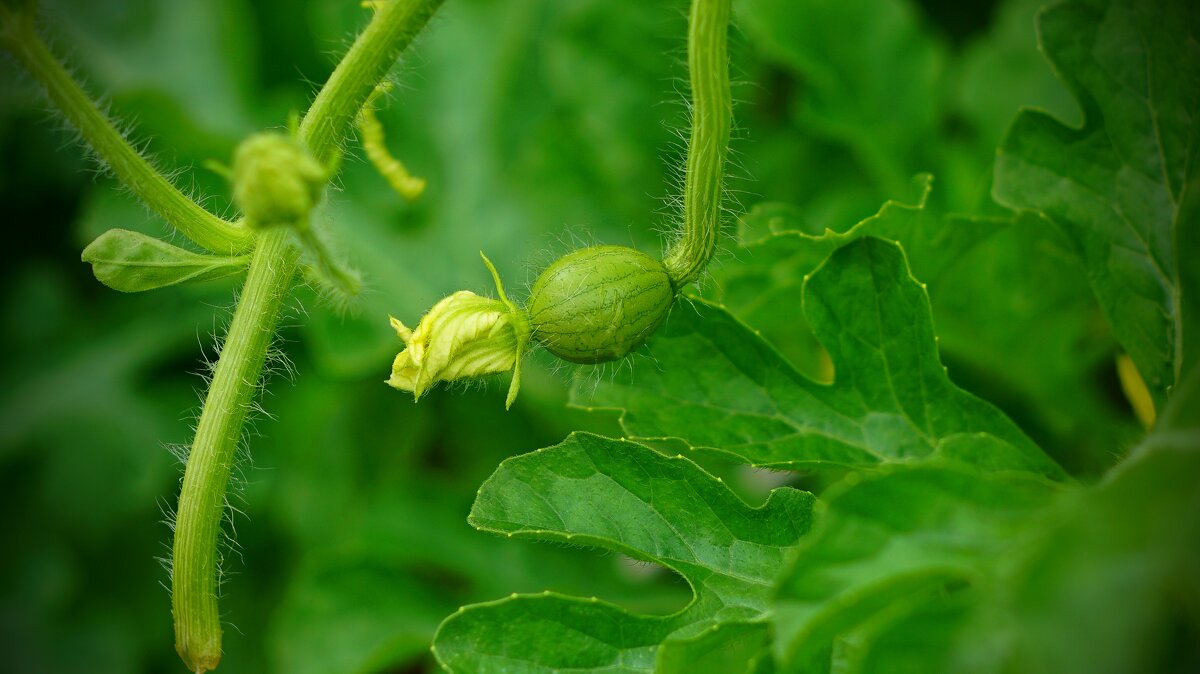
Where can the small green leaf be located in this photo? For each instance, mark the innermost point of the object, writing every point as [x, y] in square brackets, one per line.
[622, 496]
[1122, 187]
[719, 387]
[132, 262]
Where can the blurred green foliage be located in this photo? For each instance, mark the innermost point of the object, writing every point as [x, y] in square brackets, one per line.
[538, 124]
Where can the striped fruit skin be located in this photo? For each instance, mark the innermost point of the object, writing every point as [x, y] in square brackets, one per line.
[599, 303]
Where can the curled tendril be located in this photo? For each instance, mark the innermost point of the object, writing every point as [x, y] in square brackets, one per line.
[370, 131]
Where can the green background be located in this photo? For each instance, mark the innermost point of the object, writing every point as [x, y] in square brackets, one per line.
[541, 125]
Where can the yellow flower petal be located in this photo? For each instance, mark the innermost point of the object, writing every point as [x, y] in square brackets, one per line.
[463, 335]
[402, 331]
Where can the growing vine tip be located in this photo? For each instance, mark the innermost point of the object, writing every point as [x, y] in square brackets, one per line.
[276, 181]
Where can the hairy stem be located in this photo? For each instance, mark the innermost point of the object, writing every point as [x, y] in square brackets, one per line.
[206, 229]
[333, 276]
[712, 112]
[333, 112]
[206, 477]
[202, 499]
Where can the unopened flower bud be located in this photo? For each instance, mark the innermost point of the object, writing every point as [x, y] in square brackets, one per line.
[276, 181]
[464, 335]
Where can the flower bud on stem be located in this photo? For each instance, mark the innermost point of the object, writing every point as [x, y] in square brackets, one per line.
[277, 183]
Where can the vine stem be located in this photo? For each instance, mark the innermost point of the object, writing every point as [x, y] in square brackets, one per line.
[712, 114]
[336, 107]
[272, 268]
[202, 497]
[20, 38]
[239, 368]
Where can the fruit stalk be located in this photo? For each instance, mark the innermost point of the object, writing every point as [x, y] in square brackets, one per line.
[708, 144]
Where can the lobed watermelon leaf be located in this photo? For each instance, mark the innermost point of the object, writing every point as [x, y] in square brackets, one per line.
[720, 388]
[622, 496]
[1123, 187]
